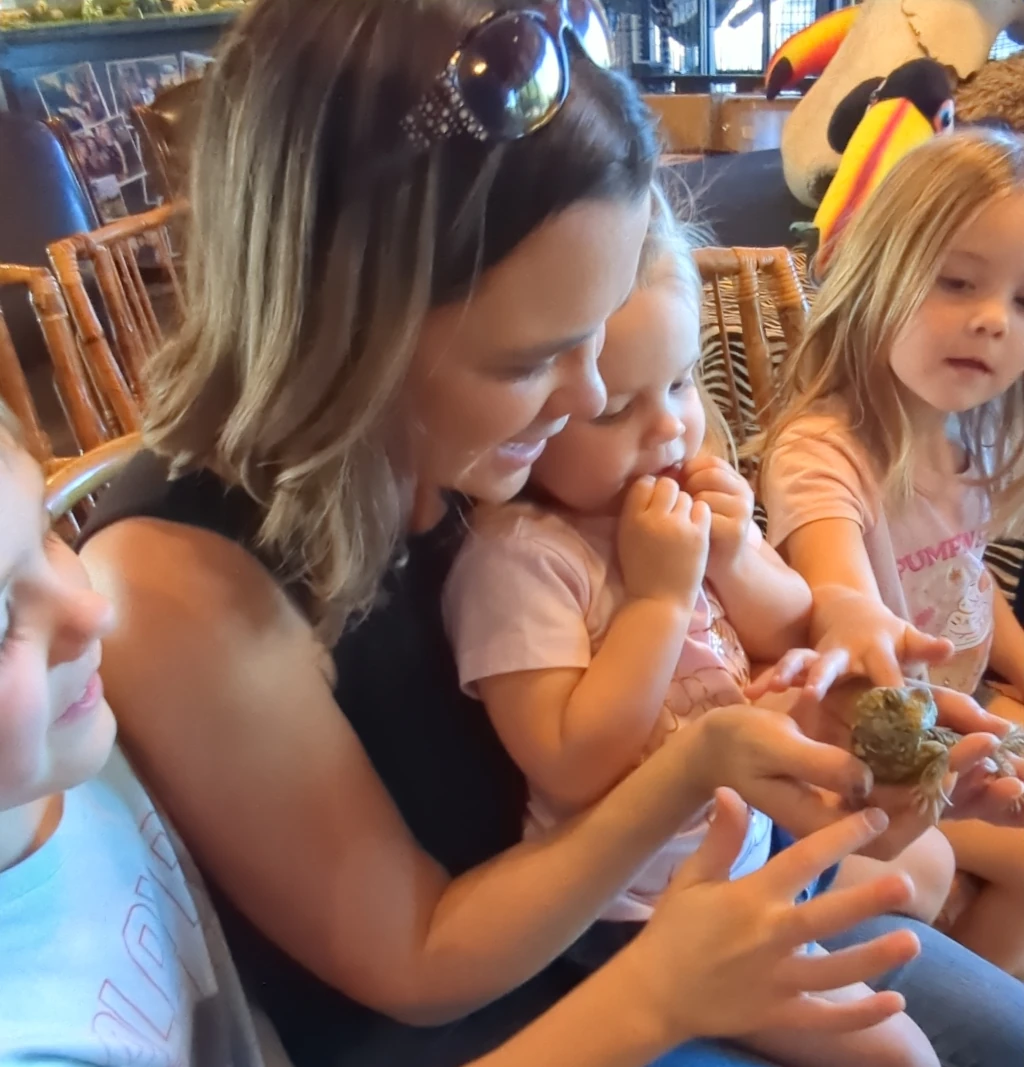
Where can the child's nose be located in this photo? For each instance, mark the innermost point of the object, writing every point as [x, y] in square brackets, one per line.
[665, 427]
[990, 318]
[83, 618]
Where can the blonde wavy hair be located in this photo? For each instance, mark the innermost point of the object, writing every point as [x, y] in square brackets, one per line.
[673, 234]
[320, 239]
[882, 270]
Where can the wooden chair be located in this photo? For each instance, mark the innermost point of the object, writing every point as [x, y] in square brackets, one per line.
[137, 276]
[71, 489]
[756, 307]
[166, 128]
[74, 386]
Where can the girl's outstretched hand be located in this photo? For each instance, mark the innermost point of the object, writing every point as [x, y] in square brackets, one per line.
[723, 959]
[852, 634]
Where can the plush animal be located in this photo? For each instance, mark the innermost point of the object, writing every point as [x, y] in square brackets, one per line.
[879, 122]
[874, 39]
[995, 94]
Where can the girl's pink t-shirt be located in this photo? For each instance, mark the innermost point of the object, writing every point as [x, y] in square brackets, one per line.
[927, 554]
[534, 590]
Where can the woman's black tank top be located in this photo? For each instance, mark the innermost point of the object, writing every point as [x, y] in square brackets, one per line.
[432, 746]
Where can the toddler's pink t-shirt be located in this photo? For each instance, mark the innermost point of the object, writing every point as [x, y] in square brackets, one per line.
[535, 590]
[927, 554]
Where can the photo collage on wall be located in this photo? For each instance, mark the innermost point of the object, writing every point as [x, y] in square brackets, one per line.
[98, 119]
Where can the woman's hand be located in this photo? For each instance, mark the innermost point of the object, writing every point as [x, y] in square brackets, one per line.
[776, 768]
[722, 958]
[974, 792]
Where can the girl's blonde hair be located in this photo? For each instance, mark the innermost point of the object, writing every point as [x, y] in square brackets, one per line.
[881, 272]
[667, 255]
[320, 240]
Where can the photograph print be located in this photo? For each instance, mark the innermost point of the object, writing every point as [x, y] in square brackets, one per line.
[140, 81]
[73, 94]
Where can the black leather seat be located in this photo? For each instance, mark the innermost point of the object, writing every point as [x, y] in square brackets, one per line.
[41, 201]
[744, 198]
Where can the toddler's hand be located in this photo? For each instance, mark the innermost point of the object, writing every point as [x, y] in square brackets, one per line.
[714, 482]
[663, 542]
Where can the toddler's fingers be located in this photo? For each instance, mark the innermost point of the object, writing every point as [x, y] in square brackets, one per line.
[710, 479]
[700, 463]
[700, 516]
[719, 503]
[639, 496]
[683, 506]
[664, 496]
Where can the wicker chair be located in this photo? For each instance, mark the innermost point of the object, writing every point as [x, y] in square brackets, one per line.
[74, 385]
[166, 128]
[137, 276]
[755, 310]
[72, 487]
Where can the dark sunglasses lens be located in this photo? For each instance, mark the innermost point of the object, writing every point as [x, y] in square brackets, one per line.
[590, 25]
[512, 76]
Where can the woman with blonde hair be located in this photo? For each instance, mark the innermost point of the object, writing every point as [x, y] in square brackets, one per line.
[899, 451]
[411, 219]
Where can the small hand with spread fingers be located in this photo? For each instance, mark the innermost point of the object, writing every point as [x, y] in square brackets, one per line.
[726, 959]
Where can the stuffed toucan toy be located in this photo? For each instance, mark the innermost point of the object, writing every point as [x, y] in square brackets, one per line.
[808, 52]
[876, 124]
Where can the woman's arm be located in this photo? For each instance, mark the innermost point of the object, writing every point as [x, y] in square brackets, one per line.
[222, 701]
[717, 959]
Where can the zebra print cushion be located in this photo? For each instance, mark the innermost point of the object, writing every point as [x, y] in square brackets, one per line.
[1005, 557]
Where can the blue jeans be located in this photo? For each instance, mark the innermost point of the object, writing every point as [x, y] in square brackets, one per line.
[972, 1012]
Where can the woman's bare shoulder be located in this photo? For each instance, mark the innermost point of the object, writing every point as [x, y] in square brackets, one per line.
[189, 571]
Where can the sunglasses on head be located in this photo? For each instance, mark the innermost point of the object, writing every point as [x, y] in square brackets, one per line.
[510, 76]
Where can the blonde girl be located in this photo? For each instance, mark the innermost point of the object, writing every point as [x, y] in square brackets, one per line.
[898, 453]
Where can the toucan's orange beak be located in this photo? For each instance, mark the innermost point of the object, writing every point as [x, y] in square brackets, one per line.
[889, 130]
[810, 51]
